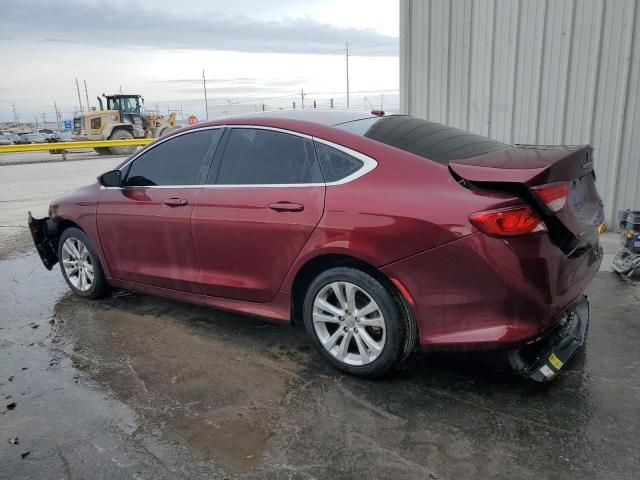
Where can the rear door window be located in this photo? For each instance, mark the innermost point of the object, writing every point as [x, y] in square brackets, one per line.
[180, 160]
[254, 156]
[430, 140]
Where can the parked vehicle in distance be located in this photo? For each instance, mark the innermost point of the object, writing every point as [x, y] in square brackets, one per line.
[35, 137]
[5, 140]
[377, 232]
[18, 139]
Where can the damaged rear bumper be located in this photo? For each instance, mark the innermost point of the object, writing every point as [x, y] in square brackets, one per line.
[44, 232]
[543, 360]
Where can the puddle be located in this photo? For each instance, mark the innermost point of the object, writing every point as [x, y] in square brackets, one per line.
[137, 386]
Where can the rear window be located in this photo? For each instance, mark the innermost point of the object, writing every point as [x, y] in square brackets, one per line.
[335, 164]
[430, 140]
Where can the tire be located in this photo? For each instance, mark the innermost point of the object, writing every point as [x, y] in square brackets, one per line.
[122, 135]
[389, 326]
[103, 150]
[72, 242]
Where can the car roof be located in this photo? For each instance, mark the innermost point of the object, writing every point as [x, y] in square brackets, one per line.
[327, 117]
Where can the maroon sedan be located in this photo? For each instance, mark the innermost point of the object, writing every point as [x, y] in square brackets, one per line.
[378, 232]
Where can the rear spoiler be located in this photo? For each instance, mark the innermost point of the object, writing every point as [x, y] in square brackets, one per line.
[526, 164]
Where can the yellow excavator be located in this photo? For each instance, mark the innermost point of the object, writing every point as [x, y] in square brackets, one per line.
[122, 119]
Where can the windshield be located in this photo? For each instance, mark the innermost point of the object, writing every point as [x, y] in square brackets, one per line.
[429, 140]
[126, 104]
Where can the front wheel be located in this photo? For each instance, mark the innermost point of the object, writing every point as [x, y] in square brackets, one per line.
[356, 322]
[80, 265]
[124, 149]
[102, 150]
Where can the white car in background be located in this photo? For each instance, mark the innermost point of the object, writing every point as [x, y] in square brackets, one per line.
[35, 137]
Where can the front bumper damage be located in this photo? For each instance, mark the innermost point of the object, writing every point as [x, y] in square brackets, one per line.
[543, 360]
[44, 232]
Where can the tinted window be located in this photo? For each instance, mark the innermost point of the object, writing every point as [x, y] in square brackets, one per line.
[335, 164]
[430, 140]
[178, 161]
[254, 156]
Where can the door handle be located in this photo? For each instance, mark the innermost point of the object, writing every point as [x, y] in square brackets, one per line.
[176, 202]
[286, 207]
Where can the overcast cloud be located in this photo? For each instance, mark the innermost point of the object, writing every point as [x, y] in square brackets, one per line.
[256, 54]
[102, 25]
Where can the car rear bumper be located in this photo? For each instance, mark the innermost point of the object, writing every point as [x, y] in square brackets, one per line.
[541, 361]
[44, 232]
[482, 293]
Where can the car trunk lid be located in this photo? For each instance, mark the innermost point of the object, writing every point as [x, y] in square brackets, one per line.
[523, 169]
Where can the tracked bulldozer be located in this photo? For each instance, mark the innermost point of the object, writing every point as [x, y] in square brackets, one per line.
[121, 119]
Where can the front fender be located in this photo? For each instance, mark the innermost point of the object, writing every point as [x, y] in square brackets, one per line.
[80, 208]
[108, 130]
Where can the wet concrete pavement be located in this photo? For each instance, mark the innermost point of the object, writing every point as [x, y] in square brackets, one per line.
[139, 387]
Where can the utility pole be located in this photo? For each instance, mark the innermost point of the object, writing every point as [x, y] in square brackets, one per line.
[36, 119]
[44, 119]
[331, 102]
[55, 106]
[15, 116]
[86, 92]
[302, 97]
[347, 58]
[294, 104]
[206, 103]
[79, 98]
[382, 101]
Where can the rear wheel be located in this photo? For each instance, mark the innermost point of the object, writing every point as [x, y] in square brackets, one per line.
[125, 149]
[356, 322]
[80, 265]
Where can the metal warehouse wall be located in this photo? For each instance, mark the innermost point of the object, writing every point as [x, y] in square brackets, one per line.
[532, 71]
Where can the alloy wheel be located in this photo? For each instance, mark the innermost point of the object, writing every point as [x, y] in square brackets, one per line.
[349, 323]
[77, 264]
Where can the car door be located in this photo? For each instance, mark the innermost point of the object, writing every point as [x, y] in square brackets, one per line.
[262, 201]
[144, 225]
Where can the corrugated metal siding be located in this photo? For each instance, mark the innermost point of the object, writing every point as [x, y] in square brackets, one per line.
[532, 71]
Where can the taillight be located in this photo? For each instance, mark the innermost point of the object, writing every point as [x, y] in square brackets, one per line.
[508, 222]
[553, 195]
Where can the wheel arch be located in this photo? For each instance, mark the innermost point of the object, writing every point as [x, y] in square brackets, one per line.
[118, 126]
[318, 264]
[63, 223]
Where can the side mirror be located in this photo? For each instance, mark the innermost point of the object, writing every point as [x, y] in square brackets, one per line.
[111, 179]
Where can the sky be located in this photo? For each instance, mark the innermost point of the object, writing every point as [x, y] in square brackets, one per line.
[253, 53]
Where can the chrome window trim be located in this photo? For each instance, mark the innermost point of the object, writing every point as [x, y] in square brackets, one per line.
[161, 140]
[368, 163]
